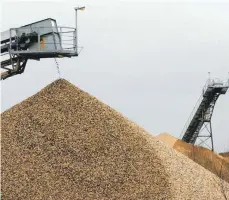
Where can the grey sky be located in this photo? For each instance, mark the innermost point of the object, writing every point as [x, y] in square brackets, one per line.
[147, 59]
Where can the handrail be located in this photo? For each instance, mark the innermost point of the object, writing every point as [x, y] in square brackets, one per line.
[195, 108]
[191, 116]
[209, 83]
[68, 27]
[62, 32]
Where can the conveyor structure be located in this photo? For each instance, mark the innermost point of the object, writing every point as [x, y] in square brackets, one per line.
[199, 125]
[41, 39]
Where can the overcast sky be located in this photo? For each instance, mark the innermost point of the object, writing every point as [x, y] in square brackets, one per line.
[147, 59]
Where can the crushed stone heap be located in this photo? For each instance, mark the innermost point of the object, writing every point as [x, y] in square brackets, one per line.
[62, 143]
[208, 159]
[225, 155]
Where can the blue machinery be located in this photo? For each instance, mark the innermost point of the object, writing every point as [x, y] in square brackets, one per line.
[199, 125]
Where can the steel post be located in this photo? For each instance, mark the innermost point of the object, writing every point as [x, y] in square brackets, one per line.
[75, 34]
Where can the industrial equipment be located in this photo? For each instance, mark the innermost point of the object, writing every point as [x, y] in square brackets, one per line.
[41, 39]
[199, 125]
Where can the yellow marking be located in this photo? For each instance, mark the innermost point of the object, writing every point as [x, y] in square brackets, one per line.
[42, 43]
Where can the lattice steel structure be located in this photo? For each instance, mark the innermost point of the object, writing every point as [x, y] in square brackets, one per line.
[199, 125]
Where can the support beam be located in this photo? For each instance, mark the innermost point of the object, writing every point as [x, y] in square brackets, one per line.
[200, 120]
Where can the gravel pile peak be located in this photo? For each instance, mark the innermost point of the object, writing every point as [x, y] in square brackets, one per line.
[62, 143]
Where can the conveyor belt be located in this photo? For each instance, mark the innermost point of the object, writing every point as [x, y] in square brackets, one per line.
[203, 112]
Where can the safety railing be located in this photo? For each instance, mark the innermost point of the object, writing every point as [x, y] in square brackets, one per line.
[195, 109]
[209, 83]
[218, 83]
[44, 39]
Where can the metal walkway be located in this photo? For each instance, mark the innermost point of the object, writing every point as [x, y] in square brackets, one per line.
[200, 118]
[37, 40]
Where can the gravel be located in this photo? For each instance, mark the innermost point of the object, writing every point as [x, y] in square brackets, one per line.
[208, 159]
[225, 155]
[62, 143]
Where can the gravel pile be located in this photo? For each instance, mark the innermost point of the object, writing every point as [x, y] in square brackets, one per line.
[211, 161]
[225, 155]
[63, 143]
